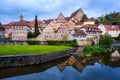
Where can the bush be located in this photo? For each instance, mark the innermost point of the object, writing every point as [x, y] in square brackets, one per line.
[105, 40]
[33, 42]
[94, 50]
[72, 43]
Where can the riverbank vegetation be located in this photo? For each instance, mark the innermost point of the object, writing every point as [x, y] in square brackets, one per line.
[103, 47]
[30, 49]
[92, 50]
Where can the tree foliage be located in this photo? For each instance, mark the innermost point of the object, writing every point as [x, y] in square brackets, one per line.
[36, 33]
[109, 19]
[105, 40]
[30, 35]
[94, 50]
[84, 17]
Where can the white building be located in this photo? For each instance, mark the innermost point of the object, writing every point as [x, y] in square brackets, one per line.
[113, 30]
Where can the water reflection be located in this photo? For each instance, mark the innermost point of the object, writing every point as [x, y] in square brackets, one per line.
[96, 72]
[75, 67]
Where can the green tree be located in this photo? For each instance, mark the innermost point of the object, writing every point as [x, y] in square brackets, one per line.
[105, 40]
[30, 35]
[84, 17]
[36, 33]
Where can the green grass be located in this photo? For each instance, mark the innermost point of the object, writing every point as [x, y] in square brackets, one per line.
[30, 49]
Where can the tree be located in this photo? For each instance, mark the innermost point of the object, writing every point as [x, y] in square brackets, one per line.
[30, 35]
[105, 40]
[84, 17]
[36, 33]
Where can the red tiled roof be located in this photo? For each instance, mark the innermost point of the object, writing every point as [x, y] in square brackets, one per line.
[92, 28]
[79, 32]
[21, 23]
[113, 27]
[32, 23]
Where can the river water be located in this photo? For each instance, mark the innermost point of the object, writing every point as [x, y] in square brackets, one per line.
[60, 70]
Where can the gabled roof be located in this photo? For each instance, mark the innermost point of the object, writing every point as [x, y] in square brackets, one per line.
[79, 32]
[60, 18]
[113, 27]
[92, 28]
[75, 13]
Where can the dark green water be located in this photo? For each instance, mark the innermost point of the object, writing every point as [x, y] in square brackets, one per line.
[50, 71]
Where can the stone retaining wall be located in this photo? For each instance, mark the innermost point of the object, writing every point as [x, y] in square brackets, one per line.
[24, 60]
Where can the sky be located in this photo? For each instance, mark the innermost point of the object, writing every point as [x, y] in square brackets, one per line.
[10, 10]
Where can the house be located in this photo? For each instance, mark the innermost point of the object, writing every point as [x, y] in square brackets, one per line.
[71, 24]
[47, 34]
[2, 32]
[113, 30]
[78, 14]
[93, 33]
[20, 30]
[8, 30]
[91, 30]
[63, 32]
[102, 28]
[80, 36]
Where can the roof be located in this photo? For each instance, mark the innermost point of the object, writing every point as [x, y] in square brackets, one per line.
[60, 18]
[74, 13]
[113, 27]
[92, 28]
[79, 32]
[32, 23]
[20, 23]
[48, 21]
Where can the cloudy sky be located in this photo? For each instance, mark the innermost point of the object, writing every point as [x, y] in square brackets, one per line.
[10, 10]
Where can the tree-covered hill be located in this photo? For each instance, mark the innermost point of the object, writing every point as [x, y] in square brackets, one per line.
[109, 19]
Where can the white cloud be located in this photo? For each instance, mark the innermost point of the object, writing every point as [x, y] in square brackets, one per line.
[52, 8]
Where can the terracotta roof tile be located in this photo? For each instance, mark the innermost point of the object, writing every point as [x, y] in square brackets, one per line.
[79, 32]
[92, 28]
[113, 27]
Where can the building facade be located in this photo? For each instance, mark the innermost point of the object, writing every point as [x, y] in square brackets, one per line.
[20, 30]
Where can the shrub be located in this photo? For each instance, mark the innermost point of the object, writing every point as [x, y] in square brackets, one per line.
[33, 42]
[94, 50]
[72, 43]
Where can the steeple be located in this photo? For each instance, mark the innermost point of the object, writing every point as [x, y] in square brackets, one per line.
[21, 17]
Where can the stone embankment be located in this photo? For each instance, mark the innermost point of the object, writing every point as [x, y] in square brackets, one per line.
[32, 59]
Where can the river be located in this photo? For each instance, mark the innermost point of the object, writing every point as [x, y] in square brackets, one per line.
[60, 70]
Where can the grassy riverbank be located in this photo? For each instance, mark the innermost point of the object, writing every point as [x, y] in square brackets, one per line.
[30, 49]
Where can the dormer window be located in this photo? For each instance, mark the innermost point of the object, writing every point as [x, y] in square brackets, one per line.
[112, 26]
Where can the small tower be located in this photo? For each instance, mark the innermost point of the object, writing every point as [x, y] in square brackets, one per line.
[21, 17]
